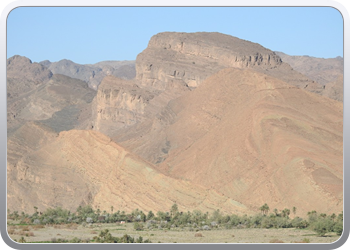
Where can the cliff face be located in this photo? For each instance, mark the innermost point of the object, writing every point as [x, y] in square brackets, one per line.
[189, 58]
[176, 63]
[118, 104]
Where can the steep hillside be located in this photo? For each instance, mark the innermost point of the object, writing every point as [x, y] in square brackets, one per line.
[62, 173]
[335, 89]
[35, 94]
[253, 138]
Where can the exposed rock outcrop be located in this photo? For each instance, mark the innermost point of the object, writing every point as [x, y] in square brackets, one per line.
[175, 63]
[189, 58]
[119, 104]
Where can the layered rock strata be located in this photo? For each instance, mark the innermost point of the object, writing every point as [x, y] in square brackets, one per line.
[189, 58]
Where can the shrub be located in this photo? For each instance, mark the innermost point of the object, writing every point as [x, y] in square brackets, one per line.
[75, 240]
[138, 226]
[105, 237]
[36, 221]
[299, 223]
[322, 226]
[338, 228]
[126, 239]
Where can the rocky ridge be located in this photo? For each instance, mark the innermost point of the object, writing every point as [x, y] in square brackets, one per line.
[321, 70]
[189, 58]
[58, 101]
[92, 73]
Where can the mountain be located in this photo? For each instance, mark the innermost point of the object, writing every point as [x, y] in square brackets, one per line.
[62, 174]
[189, 58]
[253, 138]
[210, 122]
[335, 89]
[176, 63]
[30, 75]
[35, 94]
[261, 140]
[92, 73]
[329, 72]
[320, 70]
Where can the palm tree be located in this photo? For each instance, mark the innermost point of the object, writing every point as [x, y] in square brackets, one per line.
[294, 210]
[174, 209]
[285, 212]
[264, 209]
[112, 209]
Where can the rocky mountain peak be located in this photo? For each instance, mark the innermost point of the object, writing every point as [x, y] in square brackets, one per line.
[189, 58]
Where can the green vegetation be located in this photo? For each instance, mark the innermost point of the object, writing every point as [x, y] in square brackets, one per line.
[194, 220]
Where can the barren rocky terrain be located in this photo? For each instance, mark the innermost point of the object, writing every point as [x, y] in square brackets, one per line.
[321, 70]
[210, 122]
[92, 73]
[328, 72]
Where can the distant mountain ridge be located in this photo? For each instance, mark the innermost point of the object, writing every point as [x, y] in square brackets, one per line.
[320, 70]
[92, 73]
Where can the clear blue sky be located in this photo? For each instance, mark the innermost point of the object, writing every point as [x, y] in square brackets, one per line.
[92, 34]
